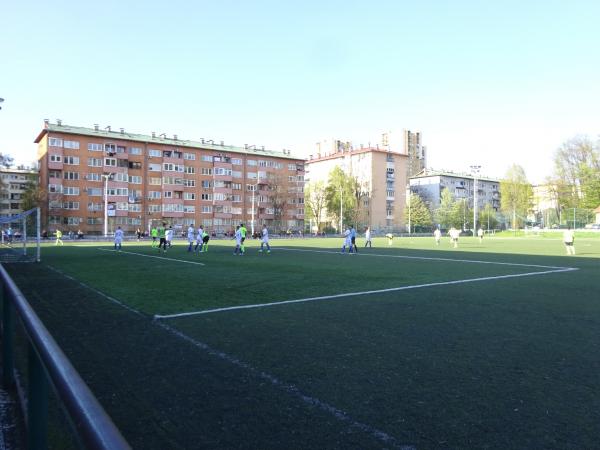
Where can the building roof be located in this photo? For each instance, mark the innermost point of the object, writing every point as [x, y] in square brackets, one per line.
[353, 152]
[447, 173]
[206, 145]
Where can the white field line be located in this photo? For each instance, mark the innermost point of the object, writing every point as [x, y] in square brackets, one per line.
[153, 256]
[425, 258]
[355, 294]
[273, 380]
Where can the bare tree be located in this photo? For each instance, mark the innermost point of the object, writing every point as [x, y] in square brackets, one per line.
[315, 199]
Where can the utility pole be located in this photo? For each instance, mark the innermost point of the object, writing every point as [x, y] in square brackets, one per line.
[475, 171]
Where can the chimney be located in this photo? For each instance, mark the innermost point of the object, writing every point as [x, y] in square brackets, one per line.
[245, 146]
[174, 137]
[202, 139]
[122, 130]
[59, 122]
[46, 123]
[163, 135]
[96, 127]
[262, 147]
[107, 128]
[153, 135]
[222, 143]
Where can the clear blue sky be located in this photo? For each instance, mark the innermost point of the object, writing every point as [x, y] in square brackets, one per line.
[492, 83]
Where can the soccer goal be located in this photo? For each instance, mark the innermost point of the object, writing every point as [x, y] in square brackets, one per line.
[20, 240]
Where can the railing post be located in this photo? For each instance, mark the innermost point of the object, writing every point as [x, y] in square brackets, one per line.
[8, 332]
[37, 403]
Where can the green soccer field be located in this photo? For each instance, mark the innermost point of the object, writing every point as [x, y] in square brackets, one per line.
[491, 345]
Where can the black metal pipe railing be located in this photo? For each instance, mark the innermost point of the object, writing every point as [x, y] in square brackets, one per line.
[48, 364]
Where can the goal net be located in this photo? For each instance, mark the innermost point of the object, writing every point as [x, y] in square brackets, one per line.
[20, 237]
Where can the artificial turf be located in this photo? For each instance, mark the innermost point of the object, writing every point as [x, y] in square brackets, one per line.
[500, 363]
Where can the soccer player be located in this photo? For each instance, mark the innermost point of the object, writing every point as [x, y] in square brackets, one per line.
[353, 239]
[390, 237]
[205, 239]
[480, 235]
[58, 234]
[238, 242]
[154, 234]
[190, 235]
[265, 240]
[347, 242]
[569, 240]
[454, 233]
[199, 234]
[169, 236]
[437, 234]
[161, 233]
[368, 237]
[118, 238]
[243, 232]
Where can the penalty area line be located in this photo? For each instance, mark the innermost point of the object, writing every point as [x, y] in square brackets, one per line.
[152, 256]
[356, 294]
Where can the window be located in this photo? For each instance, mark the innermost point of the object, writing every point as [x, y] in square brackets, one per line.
[153, 208]
[236, 198]
[122, 206]
[95, 191]
[54, 188]
[93, 177]
[206, 171]
[189, 196]
[190, 209]
[172, 207]
[206, 209]
[236, 174]
[222, 171]
[135, 179]
[71, 144]
[208, 158]
[154, 167]
[250, 187]
[121, 192]
[154, 153]
[152, 195]
[55, 158]
[70, 205]
[155, 181]
[135, 151]
[168, 194]
[71, 175]
[72, 220]
[251, 162]
[206, 197]
[135, 207]
[236, 161]
[94, 162]
[94, 147]
[54, 220]
[190, 169]
[220, 196]
[111, 162]
[95, 206]
[72, 160]
[189, 156]
[292, 167]
[55, 142]
[134, 165]
[251, 175]
[206, 184]
[189, 183]
[68, 190]
[390, 193]
[236, 186]
[121, 149]
[94, 221]
[122, 177]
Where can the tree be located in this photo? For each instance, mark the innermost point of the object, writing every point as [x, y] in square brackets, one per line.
[359, 211]
[6, 161]
[420, 216]
[278, 196]
[315, 200]
[340, 195]
[452, 213]
[516, 195]
[487, 217]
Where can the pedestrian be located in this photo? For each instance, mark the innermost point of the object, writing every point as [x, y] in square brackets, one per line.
[368, 238]
[569, 240]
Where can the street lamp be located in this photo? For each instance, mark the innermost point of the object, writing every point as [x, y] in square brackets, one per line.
[254, 187]
[106, 176]
[475, 172]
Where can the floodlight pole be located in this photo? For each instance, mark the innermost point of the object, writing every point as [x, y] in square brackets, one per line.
[341, 208]
[475, 171]
[106, 177]
[254, 187]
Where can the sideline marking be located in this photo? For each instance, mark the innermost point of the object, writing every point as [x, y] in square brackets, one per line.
[276, 382]
[427, 258]
[353, 294]
[152, 256]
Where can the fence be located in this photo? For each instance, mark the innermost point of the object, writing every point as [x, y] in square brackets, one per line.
[48, 366]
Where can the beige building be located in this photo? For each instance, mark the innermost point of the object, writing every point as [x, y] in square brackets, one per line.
[382, 174]
[14, 184]
[416, 151]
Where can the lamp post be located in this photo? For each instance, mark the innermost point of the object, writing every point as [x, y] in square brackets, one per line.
[106, 176]
[254, 187]
[409, 211]
[341, 208]
[475, 172]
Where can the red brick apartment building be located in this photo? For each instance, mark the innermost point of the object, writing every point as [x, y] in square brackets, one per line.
[154, 179]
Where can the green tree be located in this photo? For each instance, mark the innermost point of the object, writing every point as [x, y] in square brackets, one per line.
[452, 213]
[315, 200]
[420, 216]
[516, 195]
[487, 217]
[340, 192]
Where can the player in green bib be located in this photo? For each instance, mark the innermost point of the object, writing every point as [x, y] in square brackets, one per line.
[162, 231]
[154, 234]
[243, 232]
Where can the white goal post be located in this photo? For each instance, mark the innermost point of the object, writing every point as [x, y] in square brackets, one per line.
[20, 237]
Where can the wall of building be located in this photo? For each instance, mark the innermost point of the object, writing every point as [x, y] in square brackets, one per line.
[14, 184]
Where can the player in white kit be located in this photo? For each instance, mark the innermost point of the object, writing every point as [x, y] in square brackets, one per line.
[265, 240]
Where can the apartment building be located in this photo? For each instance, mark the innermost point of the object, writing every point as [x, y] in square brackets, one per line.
[416, 151]
[381, 172]
[430, 183]
[148, 179]
[14, 184]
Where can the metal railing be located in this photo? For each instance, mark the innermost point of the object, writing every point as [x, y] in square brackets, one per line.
[48, 365]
